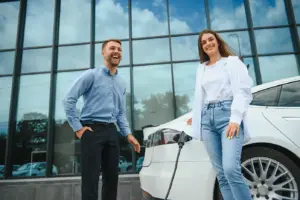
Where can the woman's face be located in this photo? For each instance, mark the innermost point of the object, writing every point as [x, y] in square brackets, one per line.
[209, 44]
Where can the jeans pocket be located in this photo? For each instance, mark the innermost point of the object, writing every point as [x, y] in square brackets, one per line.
[226, 107]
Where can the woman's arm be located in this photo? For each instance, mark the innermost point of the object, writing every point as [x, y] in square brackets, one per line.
[241, 84]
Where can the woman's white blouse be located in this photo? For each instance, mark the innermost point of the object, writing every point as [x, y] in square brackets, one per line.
[216, 83]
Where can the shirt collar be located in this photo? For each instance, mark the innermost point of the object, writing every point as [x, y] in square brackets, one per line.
[106, 70]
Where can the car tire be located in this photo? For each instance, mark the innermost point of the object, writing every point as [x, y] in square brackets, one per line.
[272, 156]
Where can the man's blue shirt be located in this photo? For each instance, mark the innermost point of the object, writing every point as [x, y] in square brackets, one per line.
[104, 99]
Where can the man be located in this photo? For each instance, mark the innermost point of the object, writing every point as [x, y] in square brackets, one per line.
[103, 91]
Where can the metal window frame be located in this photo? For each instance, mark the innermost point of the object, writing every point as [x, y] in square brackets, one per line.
[15, 89]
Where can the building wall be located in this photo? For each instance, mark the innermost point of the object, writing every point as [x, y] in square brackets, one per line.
[45, 45]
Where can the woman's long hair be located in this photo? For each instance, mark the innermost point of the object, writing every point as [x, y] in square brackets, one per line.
[223, 47]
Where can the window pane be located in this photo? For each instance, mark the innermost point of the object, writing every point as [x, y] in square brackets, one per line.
[251, 70]
[185, 48]
[149, 18]
[296, 6]
[67, 153]
[266, 97]
[75, 21]
[273, 40]
[184, 81]
[99, 61]
[268, 13]
[7, 60]
[74, 57]
[290, 95]
[187, 17]
[30, 148]
[239, 42]
[38, 28]
[9, 24]
[149, 51]
[36, 60]
[113, 15]
[153, 95]
[227, 14]
[281, 67]
[5, 91]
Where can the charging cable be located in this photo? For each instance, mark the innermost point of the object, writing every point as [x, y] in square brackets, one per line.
[181, 140]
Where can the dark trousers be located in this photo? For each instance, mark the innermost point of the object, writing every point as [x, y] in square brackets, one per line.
[99, 150]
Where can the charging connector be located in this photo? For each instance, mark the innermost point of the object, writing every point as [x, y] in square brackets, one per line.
[181, 140]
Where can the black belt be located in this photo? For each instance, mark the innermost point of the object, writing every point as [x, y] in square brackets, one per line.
[96, 123]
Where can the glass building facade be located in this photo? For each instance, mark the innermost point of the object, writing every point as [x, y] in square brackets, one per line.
[46, 44]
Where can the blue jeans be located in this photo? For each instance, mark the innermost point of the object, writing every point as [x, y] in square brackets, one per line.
[224, 153]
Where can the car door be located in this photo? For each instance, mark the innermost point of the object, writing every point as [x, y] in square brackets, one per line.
[286, 115]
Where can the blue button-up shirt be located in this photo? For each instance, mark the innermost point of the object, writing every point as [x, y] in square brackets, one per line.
[104, 99]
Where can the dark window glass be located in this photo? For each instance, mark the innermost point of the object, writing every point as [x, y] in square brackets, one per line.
[99, 58]
[149, 18]
[75, 21]
[268, 13]
[273, 40]
[266, 97]
[30, 147]
[5, 91]
[153, 97]
[298, 28]
[284, 66]
[238, 42]
[184, 82]
[149, 51]
[36, 60]
[296, 6]
[9, 13]
[227, 14]
[185, 48]
[74, 57]
[38, 27]
[67, 153]
[250, 65]
[112, 19]
[290, 95]
[7, 60]
[187, 17]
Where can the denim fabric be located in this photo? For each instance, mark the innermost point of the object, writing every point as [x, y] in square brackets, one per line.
[224, 153]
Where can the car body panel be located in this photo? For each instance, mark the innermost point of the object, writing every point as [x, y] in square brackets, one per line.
[186, 185]
[287, 120]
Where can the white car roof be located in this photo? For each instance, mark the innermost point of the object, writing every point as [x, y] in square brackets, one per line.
[275, 83]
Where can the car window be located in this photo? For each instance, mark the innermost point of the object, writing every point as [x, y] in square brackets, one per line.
[290, 95]
[267, 97]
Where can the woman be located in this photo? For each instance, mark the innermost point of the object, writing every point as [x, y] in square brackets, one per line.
[222, 96]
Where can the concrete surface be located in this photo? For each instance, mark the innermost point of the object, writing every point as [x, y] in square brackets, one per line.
[62, 188]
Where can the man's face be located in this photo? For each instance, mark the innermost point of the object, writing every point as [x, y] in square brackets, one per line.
[112, 53]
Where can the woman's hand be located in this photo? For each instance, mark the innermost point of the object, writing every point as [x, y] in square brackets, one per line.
[232, 130]
[189, 121]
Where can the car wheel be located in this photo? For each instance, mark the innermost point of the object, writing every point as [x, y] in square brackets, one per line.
[269, 174]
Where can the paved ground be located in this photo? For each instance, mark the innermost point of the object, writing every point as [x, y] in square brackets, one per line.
[62, 188]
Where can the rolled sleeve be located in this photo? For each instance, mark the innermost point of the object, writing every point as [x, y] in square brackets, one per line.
[241, 84]
[79, 87]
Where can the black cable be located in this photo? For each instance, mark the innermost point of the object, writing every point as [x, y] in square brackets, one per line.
[181, 141]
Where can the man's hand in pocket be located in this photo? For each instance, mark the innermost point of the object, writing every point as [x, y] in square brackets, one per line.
[82, 130]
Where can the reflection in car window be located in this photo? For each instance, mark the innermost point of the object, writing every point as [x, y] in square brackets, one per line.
[290, 95]
[266, 97]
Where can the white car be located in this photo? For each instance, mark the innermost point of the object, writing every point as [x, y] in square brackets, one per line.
[270, 160]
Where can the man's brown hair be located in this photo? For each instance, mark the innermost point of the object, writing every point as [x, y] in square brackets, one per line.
[110, 40]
